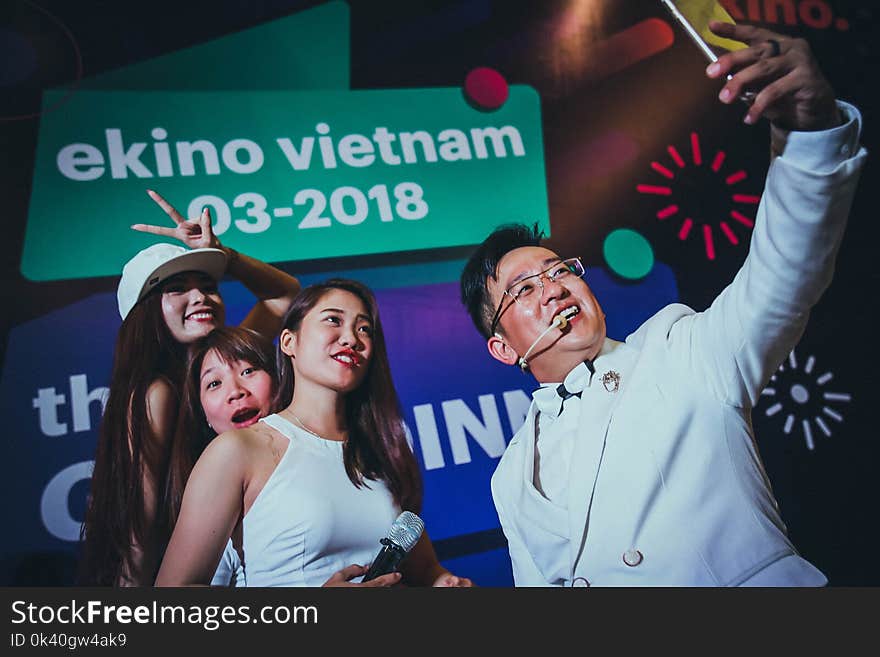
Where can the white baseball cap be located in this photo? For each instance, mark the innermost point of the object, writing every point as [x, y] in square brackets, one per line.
[160, 262]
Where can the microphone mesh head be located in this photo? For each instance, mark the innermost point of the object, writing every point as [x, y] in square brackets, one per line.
[406, 530]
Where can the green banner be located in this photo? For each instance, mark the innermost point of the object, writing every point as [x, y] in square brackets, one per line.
[287, 175]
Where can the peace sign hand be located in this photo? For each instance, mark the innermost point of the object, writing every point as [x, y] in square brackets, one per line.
[194, 233]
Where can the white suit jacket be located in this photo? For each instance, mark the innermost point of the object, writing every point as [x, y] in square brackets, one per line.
[666, 486]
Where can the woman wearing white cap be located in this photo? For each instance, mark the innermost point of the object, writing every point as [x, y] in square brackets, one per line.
[168, 298]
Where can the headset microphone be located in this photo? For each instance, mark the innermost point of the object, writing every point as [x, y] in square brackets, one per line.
[559, 322]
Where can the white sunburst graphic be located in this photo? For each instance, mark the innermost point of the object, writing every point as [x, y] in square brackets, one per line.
[804, 399]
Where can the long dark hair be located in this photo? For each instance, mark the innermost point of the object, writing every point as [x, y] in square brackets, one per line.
[127, 450]
[377, 447]
[193, 432]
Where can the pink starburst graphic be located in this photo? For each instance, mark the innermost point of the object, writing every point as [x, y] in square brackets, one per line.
[690, 170]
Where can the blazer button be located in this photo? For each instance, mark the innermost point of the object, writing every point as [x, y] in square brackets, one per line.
[632, 557]
[580, 581]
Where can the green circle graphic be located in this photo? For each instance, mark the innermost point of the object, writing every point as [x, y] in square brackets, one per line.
[628, 254]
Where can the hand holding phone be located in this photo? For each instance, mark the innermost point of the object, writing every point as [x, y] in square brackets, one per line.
[783, 73]
[777, 76]
[694, 17]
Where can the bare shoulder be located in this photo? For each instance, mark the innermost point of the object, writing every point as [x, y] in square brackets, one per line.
[161, 408]
[160, 392]
[238, 444]
[240, 450]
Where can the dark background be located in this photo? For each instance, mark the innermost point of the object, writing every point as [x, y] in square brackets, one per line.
[826, 494]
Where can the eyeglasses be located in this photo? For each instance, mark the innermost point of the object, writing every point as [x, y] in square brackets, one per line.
[523, 291]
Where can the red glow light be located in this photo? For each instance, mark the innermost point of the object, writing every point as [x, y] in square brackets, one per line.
[686, 181]
[675, 156]
[667, 211]
[734, 178]
[710, 245]
[654, 189]
[695, 148]
[662, 170]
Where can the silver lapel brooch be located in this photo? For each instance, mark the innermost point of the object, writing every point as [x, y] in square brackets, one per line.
[611, 381]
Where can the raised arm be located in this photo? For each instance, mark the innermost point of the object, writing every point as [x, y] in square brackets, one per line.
[212, 505]
[739, 341]
[275, 290]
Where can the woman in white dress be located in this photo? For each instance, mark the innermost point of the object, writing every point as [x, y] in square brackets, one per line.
[307, 493]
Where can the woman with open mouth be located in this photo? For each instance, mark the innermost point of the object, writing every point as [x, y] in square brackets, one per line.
[307, 493]
[230, 383]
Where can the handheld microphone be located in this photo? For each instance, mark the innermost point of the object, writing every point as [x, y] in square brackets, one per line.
[405, 532]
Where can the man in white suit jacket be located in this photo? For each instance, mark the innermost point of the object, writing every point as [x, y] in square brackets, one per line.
[637, 463]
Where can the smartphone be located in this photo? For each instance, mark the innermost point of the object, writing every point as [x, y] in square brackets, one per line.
[694, 17]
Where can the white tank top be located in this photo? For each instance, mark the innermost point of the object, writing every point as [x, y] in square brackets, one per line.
[309, 521]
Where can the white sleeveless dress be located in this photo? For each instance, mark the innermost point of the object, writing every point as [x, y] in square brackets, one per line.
[309, 521]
